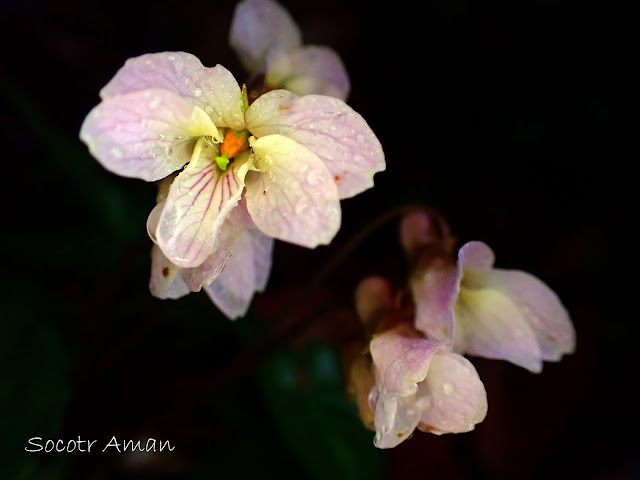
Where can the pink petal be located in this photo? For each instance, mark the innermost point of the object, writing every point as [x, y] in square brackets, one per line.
[542, 309]
[199, 200]
[489, 324]
[452, 398]
[416, 231]
[326, 126]
[308, 70]
[166, 280]
[245, 273]
[401, 362]
[476, 255]
[146, 134]
[292, 197]
[257, 27]
[214, 89]
[435, 292]
[240, 215]
[205, 273]
[373, 296]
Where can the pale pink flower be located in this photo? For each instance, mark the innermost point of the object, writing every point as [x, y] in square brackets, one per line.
[268, 41]
[290, 158]
[419, 383]
[487, 311]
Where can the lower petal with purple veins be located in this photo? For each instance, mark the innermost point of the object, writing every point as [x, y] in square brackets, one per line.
[199, 200]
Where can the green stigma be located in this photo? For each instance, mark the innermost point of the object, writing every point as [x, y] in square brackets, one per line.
[222, 162]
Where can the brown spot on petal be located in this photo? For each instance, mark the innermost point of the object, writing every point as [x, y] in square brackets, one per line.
[551, 336]
[264, 192]
[165, 272]
[345, 172]
[337, 178]
[400, 434]
[285, 108]
[428, 428]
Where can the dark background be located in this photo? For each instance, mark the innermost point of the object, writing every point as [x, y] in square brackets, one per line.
[509, 118]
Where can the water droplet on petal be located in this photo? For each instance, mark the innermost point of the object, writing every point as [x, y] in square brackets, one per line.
[301, 208]
[447, 388]
[116, 152]
[197, 92]
[314, 178]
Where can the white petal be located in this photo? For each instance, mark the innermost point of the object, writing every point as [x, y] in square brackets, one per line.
[395, 419]
[329, 128]
[542, 308]
[199, 200]
[147, 134]
[292, 197]
[452, 398]
[214, 89]
[489, 324]
[166, 281]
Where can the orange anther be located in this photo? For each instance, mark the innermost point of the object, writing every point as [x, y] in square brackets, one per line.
[234, 143]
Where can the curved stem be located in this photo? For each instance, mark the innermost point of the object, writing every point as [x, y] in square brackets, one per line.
[245, 359]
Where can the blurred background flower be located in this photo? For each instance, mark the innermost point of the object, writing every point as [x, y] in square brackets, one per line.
[510, 120]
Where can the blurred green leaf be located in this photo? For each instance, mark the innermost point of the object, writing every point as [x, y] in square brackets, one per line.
[319, 425]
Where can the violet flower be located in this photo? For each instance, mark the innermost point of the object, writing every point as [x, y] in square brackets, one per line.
[419, 383]
[268, 41]
[486, 311]
[290, 158]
